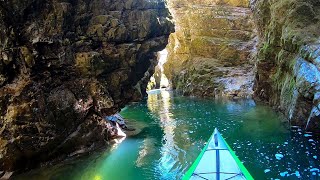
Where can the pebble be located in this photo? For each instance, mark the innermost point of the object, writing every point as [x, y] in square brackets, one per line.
[267, 170]
[283, 174]
[267, 157]
[307, 135]
[279, 156]
[314, 169]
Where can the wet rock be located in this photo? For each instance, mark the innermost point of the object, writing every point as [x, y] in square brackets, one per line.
[5, 175]
[64, 65]
[288, 59]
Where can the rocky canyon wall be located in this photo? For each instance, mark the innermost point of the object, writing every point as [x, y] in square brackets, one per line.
[214, 52]
[288, 60]
[210, 54]
[64, 64]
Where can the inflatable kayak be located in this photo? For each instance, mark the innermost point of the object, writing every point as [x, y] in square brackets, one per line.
[217, 162]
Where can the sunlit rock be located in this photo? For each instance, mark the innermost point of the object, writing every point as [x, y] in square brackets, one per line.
[210, 54]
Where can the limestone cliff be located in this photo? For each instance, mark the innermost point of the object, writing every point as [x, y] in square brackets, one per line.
[288, 62]
[210, 54]
[66, 63]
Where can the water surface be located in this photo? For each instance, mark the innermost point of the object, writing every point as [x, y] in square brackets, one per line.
[174, 129]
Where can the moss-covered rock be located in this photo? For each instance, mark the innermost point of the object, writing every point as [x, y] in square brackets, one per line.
[287, 63]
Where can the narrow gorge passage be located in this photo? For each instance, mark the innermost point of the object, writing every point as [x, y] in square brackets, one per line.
[212, 51]
[173, 130]
[241, 49]
[250, 68]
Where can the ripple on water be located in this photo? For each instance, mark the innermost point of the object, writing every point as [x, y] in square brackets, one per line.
[178, 128]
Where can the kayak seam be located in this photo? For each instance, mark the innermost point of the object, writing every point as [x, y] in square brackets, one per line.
[242, 168]
[197, 161]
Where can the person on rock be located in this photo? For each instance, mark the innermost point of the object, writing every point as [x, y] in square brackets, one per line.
[117, 118]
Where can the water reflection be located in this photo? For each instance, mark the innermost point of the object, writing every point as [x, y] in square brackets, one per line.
[174, 131]
[147, 148]
[161, 106]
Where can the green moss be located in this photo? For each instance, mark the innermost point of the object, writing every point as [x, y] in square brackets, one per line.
[287, 91]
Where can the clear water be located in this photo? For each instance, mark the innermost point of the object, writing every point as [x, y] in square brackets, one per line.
[174, 129]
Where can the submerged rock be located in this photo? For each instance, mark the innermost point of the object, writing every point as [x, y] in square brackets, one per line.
[283, 174]
[278, 156]
[267, 170]
[66, 64]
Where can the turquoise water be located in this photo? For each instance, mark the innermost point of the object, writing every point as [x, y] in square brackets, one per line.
[174, 129]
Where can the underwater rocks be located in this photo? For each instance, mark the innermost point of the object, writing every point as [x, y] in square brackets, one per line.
[288, 68]
[210, 54]
[66, 64]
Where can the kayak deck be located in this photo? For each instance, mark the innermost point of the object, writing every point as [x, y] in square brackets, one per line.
[217, 162]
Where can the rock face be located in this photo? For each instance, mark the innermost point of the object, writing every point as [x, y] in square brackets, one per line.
[64, 65]
[288, 61]
[210, 54]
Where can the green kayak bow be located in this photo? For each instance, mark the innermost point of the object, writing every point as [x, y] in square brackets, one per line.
[217, 161]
